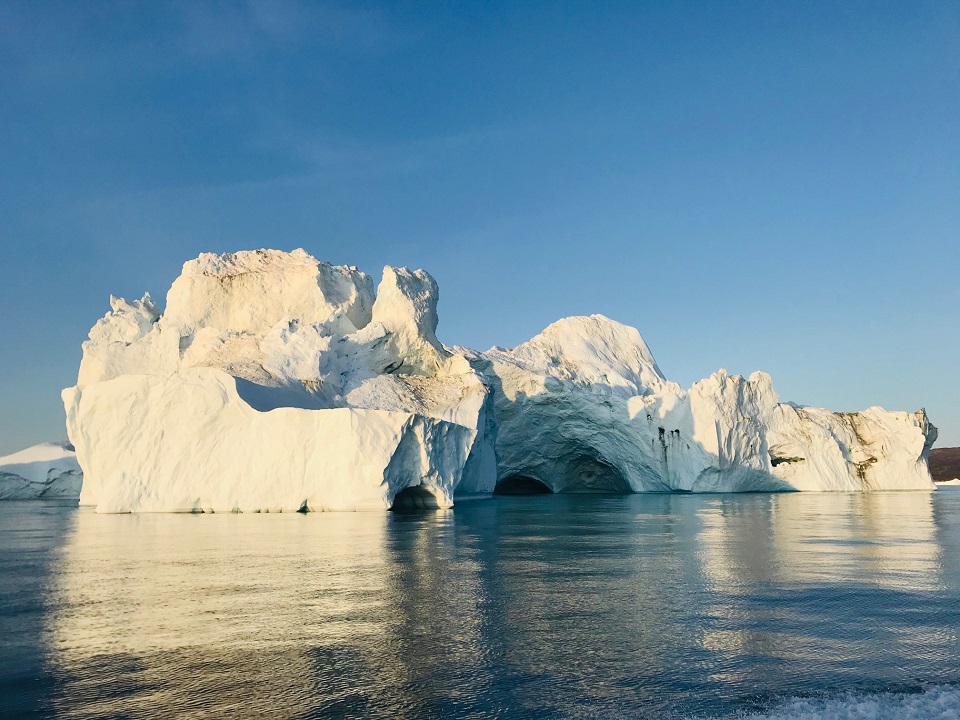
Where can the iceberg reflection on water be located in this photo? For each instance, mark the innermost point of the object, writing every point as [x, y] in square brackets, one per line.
[548, 606]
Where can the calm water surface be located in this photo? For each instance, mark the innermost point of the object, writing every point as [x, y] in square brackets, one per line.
[647, 606]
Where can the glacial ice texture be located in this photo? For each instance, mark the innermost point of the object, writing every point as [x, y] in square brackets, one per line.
[276, 382]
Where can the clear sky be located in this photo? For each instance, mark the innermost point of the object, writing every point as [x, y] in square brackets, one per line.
[769, 185]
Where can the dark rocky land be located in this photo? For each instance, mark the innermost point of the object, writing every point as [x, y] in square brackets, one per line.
[945, 463]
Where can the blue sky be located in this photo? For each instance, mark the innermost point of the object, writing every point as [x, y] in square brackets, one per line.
[769, 185]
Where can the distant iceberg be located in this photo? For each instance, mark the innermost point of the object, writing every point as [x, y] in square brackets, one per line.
[276, 382]
[45, 471]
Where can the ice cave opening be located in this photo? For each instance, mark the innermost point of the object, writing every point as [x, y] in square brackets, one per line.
[415, 497]
[586, 473]
[521, 485]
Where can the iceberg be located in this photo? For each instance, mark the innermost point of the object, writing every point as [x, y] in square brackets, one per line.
[274, 382]
[45, 471]
[584, 407]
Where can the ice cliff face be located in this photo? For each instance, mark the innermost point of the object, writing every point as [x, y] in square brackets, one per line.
[43, 471]
[275, 382]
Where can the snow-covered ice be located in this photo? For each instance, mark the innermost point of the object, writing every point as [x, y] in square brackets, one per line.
[276, 382]
[48, 470]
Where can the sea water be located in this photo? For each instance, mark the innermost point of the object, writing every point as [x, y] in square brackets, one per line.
[566, 606]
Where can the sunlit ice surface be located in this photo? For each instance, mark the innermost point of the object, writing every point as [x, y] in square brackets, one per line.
[649, 606]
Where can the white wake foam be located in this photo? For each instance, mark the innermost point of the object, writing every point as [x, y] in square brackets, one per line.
[940, 702]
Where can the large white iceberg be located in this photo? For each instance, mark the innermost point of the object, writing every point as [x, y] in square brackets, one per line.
[45, 471]
[275, 382]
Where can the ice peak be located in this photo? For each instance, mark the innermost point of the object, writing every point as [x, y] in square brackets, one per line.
[590, 349]
[406, 307]
[251, 291]
[248, 261]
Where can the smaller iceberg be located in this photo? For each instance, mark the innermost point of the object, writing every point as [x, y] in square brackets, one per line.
[583, 407]
[48, 470]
